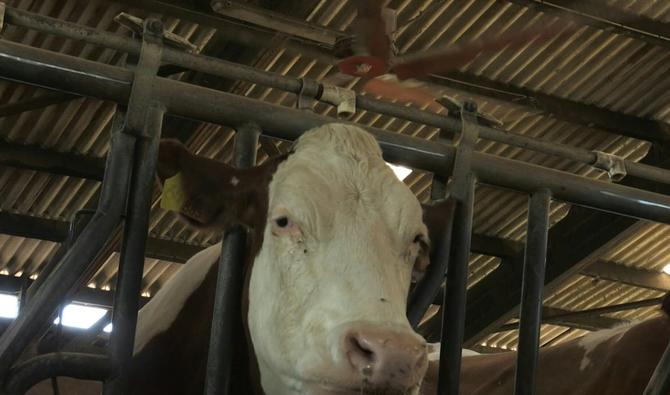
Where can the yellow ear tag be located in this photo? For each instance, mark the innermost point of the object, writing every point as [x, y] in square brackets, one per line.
[173, 197]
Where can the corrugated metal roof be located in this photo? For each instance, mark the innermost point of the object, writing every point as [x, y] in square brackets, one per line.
[590, 66]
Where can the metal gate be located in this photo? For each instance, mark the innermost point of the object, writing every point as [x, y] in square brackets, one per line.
[129, 173]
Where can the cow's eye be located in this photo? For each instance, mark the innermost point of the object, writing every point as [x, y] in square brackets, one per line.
[418, 238]
[282, 222]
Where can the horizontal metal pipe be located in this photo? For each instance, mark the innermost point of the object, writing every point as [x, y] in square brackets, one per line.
[219, 67]
[82, 77]
[76, 365]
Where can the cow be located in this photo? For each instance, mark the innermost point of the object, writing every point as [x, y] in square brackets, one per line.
[334, 240]
[616, 361]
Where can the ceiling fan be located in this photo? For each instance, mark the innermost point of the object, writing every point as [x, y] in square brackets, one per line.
[369, 54]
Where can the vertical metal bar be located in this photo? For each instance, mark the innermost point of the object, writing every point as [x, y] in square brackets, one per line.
[229, 281]
[144, 120]
[69, 271]
[453, 305]
[425, 291]
[535, 262]
[659, 383]
[131, 260]
[428, 288]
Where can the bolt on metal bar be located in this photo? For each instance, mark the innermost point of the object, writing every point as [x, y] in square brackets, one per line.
[62, 72]
[535, 262]
[453, 306]
[232, 70]
[144, 120]
[75, 262]
[227, 300]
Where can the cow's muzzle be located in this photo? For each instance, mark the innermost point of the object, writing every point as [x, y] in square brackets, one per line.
[386, 359]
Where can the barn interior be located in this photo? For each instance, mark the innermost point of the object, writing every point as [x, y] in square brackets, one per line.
[603, 86]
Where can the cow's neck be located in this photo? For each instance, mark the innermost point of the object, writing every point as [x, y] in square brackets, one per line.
[171, 351]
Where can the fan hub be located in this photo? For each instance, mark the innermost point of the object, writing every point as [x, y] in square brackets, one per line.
[363, 66]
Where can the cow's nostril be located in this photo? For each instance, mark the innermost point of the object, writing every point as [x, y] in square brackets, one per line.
[361, 356]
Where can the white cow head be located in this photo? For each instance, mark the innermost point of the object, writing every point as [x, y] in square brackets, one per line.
[337, 238]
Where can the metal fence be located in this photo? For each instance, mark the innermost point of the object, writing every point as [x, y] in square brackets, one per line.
[130, 170]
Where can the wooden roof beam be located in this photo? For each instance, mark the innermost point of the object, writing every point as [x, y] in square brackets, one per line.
[57, 231]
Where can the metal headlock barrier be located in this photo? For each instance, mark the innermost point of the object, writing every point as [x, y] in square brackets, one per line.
[129, 172]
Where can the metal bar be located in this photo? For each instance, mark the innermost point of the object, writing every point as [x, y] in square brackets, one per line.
[535, 262]
[560, 108]
[236, 71]
[235, 31]
[426, 290]
[229, 281]
[62, 72]
[659, 383]
[606, 17]
[166, 250]
[453, 306]
[77, 225]
[144, 120]
[276, 21]
[76, 365]
[430, 285]
[75, 262]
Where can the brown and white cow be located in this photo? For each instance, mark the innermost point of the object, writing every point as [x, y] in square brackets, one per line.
[618, 361]
[334, 240]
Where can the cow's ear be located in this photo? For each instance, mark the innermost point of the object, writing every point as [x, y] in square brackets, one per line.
[422, 261]
[203, 191]
[438, 218]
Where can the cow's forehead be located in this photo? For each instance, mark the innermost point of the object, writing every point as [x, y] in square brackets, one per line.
[338, 167]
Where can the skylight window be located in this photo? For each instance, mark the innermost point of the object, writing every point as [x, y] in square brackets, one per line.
[666, 269]
[74, 315]
[80, 316]
[108, 328]
[400, 171]
[9, 306]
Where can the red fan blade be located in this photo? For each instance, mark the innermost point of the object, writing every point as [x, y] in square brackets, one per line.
[453, 57]
[338, 79]
[371, 29]
[396, 91]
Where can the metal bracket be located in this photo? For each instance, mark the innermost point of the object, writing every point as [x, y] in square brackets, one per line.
[344, 99]
[145, 74]
[464, 148]
[309, 91]
[454, 108]
[615, 166]
[136, 25]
